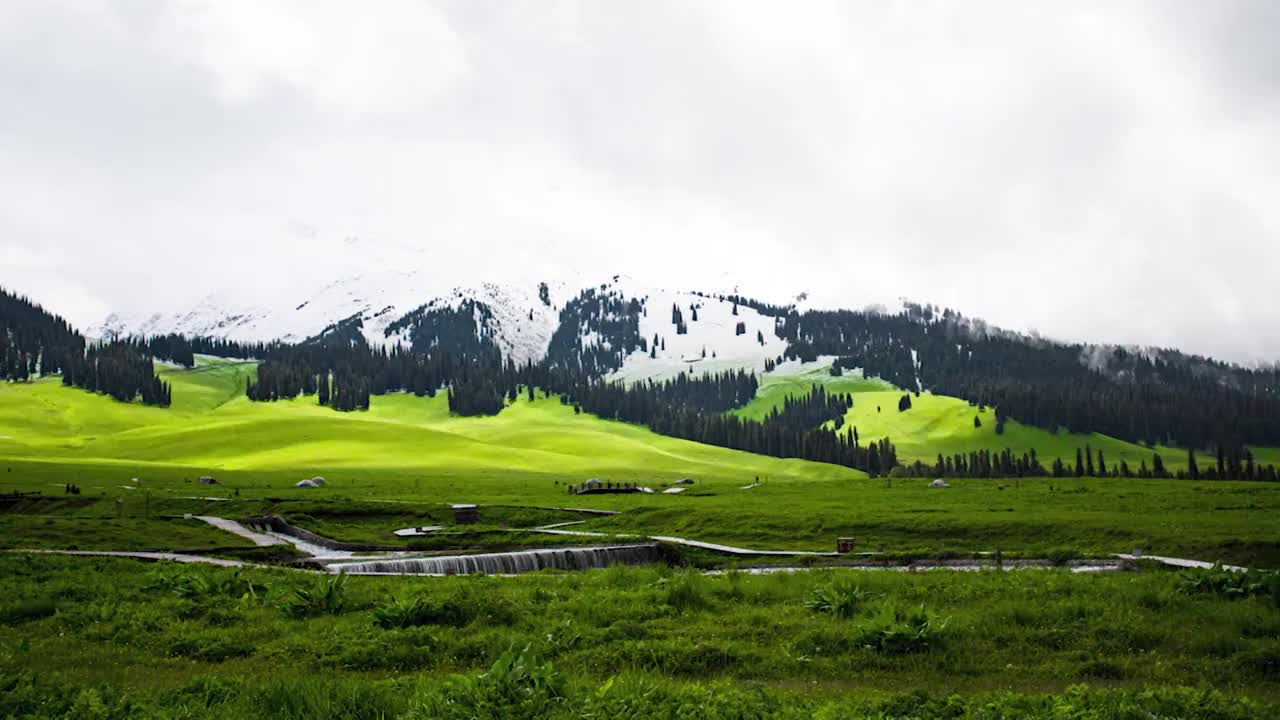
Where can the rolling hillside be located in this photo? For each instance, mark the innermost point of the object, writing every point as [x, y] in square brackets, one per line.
[941, 424]
[406, 455]
[212, 427]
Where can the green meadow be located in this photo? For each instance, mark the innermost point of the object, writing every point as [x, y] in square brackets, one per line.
[111, 638]
[401, 463]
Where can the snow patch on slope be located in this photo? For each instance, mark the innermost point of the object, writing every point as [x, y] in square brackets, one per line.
[213, 316]
[715, 331]
[522, 324]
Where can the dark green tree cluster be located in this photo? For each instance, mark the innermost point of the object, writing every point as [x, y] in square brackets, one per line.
[1160, 397]
[612, 319]
[761, 307]
[33, 342]
[981, 464]
[119, 370]
[1232, 464]
[478, 393]
[677, 319]
[1235, 463]
[465, 328]
[174, 348]
[344, 371]
[347, 391]
[812, 410]
[664, 410]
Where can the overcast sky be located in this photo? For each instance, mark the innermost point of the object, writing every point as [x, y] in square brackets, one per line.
[1101, 171]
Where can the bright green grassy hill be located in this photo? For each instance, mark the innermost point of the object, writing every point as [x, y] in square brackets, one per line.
[211, 427]
[942, 424]
[776, 387]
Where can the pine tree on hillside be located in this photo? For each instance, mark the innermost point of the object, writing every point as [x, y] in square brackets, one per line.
[1192, 468]
[1157, 466]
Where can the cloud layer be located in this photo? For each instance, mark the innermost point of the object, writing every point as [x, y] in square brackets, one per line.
[1097, 171]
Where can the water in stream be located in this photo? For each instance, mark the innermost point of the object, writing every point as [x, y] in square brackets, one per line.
[505, 563]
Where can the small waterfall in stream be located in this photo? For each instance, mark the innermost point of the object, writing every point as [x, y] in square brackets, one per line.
[506, 563]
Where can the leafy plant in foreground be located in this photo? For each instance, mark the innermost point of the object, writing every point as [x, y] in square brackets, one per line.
[684, 591]
[842, 599]
[201, 585]
[329, 597]
[517, 685]
[1231, 585]
[421, 611]
[898, 632]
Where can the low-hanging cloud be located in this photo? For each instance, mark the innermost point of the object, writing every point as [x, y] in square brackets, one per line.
[1097, 171]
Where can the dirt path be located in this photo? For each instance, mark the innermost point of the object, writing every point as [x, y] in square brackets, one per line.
[731, 550]
[142, 555]
[1181, 562]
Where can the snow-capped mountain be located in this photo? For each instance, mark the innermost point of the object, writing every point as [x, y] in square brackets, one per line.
[521, 317]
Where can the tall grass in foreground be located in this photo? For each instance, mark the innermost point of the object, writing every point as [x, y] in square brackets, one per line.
[519, 686]
[625, 642]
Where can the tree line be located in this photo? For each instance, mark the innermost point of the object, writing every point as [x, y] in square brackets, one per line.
[693, 408]
[1155, 397]
[120, 370]
[811, 410]
[33, 341]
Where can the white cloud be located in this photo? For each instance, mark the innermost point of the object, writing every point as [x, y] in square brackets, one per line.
[389, 54]
[1096, 171]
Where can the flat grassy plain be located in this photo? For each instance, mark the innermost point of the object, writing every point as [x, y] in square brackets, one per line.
[116, 638]
[404, 461]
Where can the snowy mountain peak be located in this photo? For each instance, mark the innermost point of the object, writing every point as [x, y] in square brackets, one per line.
[712, 333]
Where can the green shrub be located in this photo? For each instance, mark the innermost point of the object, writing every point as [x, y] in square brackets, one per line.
[1231, 585]
[517, 686]
[421, 611]
[898, 632]
[208, 584]
[685, 591]
[842, 599]
[328, 597]
[27, 610]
